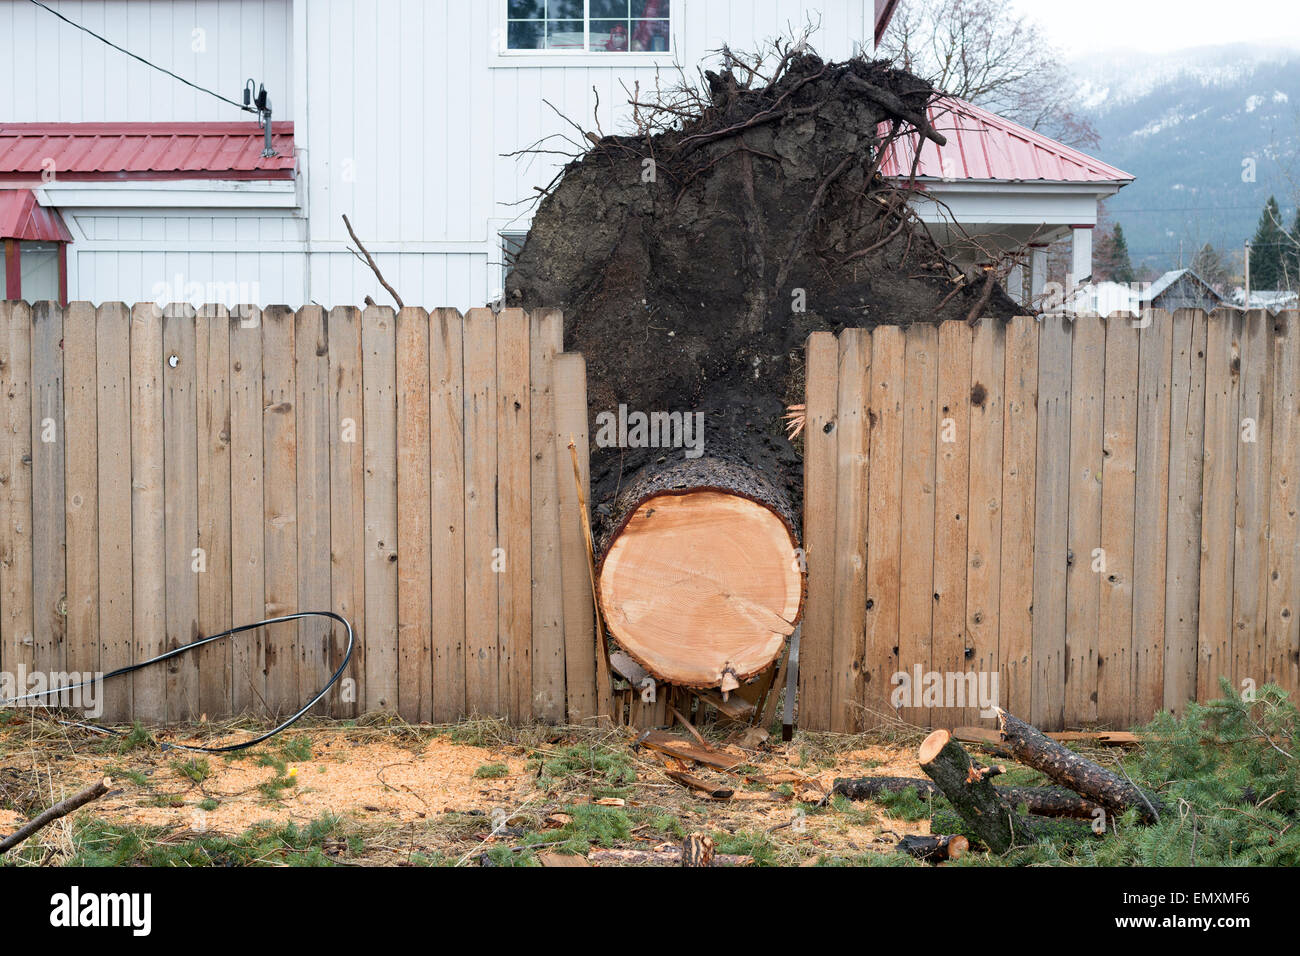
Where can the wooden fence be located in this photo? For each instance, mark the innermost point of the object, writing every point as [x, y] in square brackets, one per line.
[1103, 515]
[166, 474]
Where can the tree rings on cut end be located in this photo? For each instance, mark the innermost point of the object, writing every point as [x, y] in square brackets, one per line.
[702, 588]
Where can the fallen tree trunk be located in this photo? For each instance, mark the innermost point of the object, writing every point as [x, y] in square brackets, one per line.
[699, 579]
[1039, 801]
[61, 809]
[960, 779]
[664, 856]
[698, 850]
[1034, 749]
[934, 849]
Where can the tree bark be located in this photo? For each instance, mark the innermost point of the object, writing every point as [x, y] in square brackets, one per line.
[1039, 801]
[668, 856]
[969, 791]
[1035, 749]
[62, 809]
[699, 577]
[698, 850]
[934, 849]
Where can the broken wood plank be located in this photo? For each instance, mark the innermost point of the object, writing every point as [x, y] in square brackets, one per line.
[685, 750]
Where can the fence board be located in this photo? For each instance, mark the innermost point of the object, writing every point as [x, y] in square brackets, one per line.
[447, 409]
[414, 556]
[850, 556]
[1019, 487]
[984, 527]
[379, 375]
[514, 512]
[280, 504]
[547, 341]
[1051, 522]
[1254, 461]
[884, 520]
[212, 386]
[579, 614]
[1151, 512]
[247, 540]
[1218, 496]
[1282, 652]
[149, 543]
[17, 642]
[113, 472]
[482, 533]
[347, 507]
[820, 451]
[312, 507]
[916, 559]
[81, 501]
[49, 445]
[1186, 467]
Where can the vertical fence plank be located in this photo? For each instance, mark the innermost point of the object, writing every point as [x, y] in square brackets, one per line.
[951, 515]
[380, 377]
[180, 495]
[579, 611]
[1186, 467]
[984, 526]
[884, 520]
[482, 691]
[212, 385]
[1254, 462]
[313, 506]
[514, 512]
[49, 448]
[347, 507]
[1218, 497]
[1151, 513]
[1083, 577]
[414, 565]
[113, 472]
[547, 340]
[1019, 488]
[1282, 652]
[149, 542]
[821, 442]
[247, 541]
[1118, 500]
[1051, 522]
[850, 557]
[447, 478]
[81, 501]
[916, 560]
[280, 505]
[17, 640]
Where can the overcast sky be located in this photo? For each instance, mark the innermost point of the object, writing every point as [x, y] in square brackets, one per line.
[1079, 26]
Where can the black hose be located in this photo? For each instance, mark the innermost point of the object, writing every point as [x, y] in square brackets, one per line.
[185, 649]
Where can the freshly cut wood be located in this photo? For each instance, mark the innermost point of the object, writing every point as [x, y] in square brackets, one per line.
[691, 782]
[1099, 738]
[699, 578]
[971, 794]
[698, 850]
[659, 856]
[1034, 749]
[665, 743]
[1039, 801]
[934, 849]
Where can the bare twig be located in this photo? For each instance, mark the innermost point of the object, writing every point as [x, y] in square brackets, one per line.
[371, 262]
[61, 809]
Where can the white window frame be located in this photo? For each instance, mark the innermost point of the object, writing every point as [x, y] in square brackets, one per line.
[503, 56]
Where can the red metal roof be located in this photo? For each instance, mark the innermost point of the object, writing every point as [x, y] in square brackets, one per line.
[97, 151]
[21, 217]
[985, 146]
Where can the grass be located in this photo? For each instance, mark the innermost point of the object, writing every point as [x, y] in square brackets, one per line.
[492, 771]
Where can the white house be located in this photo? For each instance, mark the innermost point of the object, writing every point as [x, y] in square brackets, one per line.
[137, 181]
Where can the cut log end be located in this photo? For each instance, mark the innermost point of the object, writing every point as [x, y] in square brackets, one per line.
[702, 588]
[931, 746]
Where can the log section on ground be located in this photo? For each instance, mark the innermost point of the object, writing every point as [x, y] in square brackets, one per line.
[1040, 801]
[699, 579]
[960, 779]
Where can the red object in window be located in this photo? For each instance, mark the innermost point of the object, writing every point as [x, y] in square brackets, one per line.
[617, 42]
[646, 32]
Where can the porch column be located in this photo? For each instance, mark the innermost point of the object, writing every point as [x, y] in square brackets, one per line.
[1037, 273]
[1081, 260]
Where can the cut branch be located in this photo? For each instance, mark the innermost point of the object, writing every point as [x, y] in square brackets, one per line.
[61, 809]
[371, 262]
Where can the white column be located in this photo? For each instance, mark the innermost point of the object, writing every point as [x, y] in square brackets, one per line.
[1037, 274]
[1081, 262]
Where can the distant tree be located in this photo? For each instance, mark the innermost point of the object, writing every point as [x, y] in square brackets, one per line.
[1292, 264]
[1269, 249]
[987, 54]
[1209, 263]
[1111, 259]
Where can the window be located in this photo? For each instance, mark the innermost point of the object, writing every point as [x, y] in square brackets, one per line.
[35, 271]
[512, 243]
[589, 26]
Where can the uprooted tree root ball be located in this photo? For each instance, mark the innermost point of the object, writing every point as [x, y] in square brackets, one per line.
[693, 259]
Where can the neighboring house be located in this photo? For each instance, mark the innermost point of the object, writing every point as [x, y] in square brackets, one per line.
[1272, 300]
[1179, 289]
[998, 189]
[126, 184]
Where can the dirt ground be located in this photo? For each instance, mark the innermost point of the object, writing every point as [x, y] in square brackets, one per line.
[404, 794]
